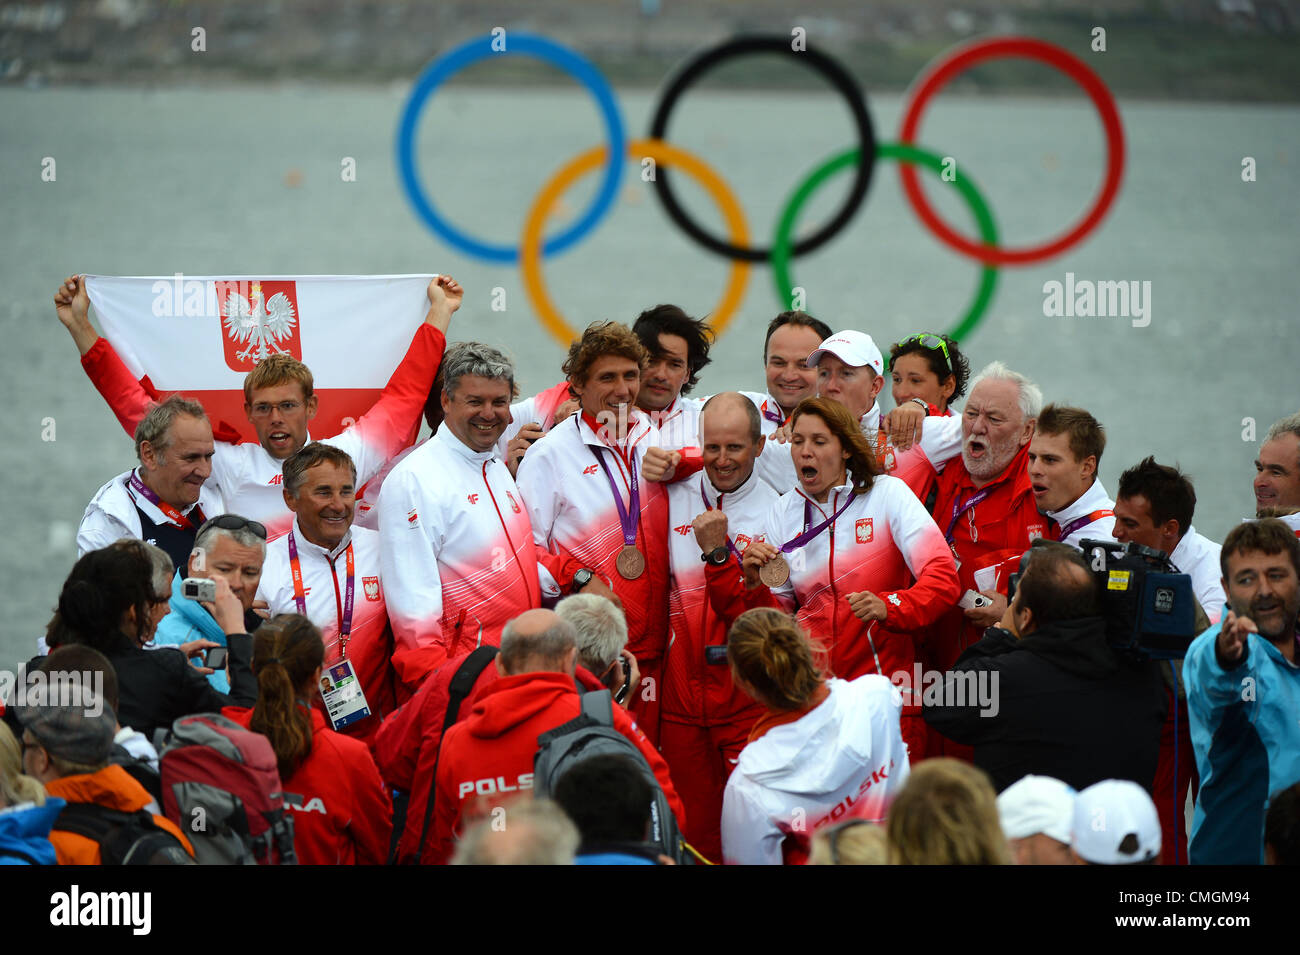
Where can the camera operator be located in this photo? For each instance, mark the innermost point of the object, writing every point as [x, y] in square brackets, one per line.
[1057, 699]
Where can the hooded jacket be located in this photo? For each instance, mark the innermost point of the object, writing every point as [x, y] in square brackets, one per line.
[112, 788]
[845, 758]
[1060, 702]
[488, 757]
[341, 812]
[25, 833]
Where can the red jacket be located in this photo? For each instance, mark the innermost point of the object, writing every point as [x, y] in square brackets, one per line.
[406, 747]
[342, 814]
[992, 534]
[488, 757]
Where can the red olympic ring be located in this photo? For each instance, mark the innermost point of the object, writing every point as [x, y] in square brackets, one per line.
[978, 52]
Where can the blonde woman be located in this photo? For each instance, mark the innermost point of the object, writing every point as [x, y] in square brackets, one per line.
[25, 814]
[947, 814]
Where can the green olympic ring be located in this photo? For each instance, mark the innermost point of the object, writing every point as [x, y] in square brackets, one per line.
[783, 243]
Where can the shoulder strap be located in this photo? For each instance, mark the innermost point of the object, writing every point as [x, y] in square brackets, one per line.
[462, 683]
[89, 820]
[599, 706]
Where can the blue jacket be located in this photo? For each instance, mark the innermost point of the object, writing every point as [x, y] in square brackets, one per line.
[189, 620]
[1246, 733]
[25, 833]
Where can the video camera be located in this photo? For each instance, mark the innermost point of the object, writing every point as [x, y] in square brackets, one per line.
[1147, 604]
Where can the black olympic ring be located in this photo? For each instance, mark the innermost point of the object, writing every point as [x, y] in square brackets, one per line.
[823, 64]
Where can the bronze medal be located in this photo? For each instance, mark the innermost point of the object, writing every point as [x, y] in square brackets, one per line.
[775, 572]
[630, 562]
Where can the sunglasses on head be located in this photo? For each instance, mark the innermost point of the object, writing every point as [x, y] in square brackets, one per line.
[931, 341]
[233, 522]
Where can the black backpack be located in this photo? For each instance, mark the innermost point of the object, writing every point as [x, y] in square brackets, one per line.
[592, 733]
[125, 838]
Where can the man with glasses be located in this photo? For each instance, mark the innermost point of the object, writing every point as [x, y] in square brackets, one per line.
[228, 550]
[166, 498]
[279, 402]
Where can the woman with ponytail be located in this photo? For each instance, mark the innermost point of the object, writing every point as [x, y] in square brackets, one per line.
[342, 813]
[112, 601]
[826, 750]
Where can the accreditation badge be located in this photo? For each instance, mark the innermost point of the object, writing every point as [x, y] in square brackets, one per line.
[345, 701]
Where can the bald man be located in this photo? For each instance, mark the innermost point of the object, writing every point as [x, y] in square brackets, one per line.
[713, 516]
[488, 756]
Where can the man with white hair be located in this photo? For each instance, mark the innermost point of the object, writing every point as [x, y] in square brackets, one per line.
[1277, 477]
[986, 504]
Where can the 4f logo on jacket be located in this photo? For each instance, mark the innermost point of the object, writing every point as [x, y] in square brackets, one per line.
[473, 498]
[863, 529]
[590, 469]
[683, 529]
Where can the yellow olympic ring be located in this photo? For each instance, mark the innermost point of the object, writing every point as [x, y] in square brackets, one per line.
[661, 152]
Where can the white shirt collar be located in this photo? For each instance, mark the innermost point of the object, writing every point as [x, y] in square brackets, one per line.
[1093, 499]
[638, 427]
[448, 439]
[304, 545]
[712, 494]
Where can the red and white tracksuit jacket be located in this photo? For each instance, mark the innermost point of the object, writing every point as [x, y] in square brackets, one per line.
[341, 812]
[843, 759]
[457, 553]
[1094, 504]
[774, 466]
[488, 757]
[885, 543]
[705, 719]
[325, 581]
[247, 477]
[111, 514]
[574, 517]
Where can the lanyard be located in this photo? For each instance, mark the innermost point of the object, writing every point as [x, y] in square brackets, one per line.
[708, 507]
[1074, 525]
[807, 534]
[300, 592]
[774, 416]
[173, 515]
[958, 509]
[628, 517]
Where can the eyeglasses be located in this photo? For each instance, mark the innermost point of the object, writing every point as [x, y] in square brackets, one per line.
[232, 522]
[264, 408]
[931, 341]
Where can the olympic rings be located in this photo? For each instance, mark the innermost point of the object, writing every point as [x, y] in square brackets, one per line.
[664, 154]
[531, 249]
[479, 49]
[997, 48]
[838, 77]
[903, 154]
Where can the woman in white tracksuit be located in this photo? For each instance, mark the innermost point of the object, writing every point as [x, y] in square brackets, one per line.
[825, 750]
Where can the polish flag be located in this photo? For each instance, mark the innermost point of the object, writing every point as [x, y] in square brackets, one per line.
[201, 335]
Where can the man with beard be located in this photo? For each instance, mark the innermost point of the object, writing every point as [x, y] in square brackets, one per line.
[1243, 694]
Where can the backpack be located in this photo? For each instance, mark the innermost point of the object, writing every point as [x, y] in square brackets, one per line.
[462, 683]
[592, 733]
[139, 769]
[221, 785]
[125, 838]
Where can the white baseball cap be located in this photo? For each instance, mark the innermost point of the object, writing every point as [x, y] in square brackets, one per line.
[1115, 823]
[1037, 804]
[852, 348]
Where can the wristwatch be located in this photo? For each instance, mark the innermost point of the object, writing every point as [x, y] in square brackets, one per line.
[580, 580]
[717, 557]
[923, 403]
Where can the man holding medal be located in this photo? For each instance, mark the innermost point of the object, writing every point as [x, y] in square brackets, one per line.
[713, 516]
[329, 571]
[853, 552]
[606, 528]
[166, 499]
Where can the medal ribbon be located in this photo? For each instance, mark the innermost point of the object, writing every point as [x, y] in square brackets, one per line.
[173, 515]
[300, 592]
[774, 416]
[807, 534]
[1064, 532]
[708, 507]
[628, 517]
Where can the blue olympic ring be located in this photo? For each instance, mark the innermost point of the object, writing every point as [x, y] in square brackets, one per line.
[480, 48]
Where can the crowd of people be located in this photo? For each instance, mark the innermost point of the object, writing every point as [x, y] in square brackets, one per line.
[619, 624]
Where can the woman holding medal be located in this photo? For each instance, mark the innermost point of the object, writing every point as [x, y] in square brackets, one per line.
[854, 555]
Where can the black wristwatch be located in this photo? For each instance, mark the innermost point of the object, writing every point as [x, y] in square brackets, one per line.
[581, 579]
[925, 405]
[717, 557]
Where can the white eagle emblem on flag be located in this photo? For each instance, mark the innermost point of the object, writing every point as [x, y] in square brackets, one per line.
[258, 324]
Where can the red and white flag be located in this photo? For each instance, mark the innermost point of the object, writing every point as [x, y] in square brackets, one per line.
[200, 335]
